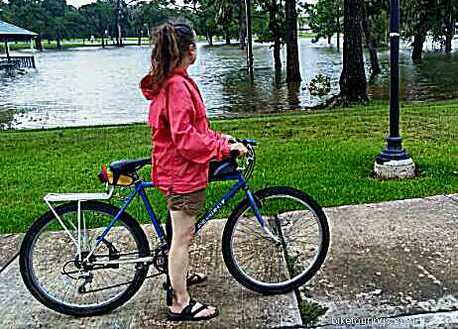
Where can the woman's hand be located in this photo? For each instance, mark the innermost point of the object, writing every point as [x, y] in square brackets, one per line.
[240, 148]
[229, 138]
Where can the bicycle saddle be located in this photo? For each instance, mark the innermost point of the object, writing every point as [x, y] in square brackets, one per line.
[123, 172]
[128, 167]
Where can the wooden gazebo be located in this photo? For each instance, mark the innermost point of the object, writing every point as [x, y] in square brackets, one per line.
[10, 32]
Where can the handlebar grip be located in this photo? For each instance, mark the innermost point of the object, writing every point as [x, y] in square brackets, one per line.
[247, 142]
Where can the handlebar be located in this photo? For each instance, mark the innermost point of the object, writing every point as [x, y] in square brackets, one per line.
[247, 142]
[244, 141]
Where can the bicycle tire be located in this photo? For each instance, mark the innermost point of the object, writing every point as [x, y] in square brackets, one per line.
[280, 288]
[26, 266]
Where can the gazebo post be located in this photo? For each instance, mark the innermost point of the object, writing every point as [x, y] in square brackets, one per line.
[7, 51]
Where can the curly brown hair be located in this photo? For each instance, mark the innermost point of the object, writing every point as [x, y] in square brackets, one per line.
[170, 46]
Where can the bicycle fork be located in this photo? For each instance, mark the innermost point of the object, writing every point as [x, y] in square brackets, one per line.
[254, 206]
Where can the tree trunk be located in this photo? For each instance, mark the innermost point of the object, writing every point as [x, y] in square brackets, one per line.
[103, 41]
[38, 43]
[276, 33]
[140, 38]
[329, 39]
[118, 24]
[421, 30]
[293, 95]
[353, 83]
[227, 35]
[277, 55]
[293, 73]
[419, 40]
[371, 43]
[59, 45]
[210, 39]
[338, 27]
[242, 21]
[449, 35]
[250, 57]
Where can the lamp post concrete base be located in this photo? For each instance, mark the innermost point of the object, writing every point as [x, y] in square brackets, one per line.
[395, 169]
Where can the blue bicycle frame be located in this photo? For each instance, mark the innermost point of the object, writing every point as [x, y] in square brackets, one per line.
[140, 187]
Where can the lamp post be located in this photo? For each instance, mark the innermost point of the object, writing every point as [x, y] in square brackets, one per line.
[394, 162]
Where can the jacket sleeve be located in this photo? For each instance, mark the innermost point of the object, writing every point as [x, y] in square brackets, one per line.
[193, 145]
[215, 134]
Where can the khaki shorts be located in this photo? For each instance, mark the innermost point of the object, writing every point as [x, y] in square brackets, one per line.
[191, 203]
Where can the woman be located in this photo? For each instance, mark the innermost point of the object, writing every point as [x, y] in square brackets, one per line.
[183, 146]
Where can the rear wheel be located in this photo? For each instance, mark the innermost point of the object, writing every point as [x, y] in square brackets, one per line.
[55, 275]
[295, 253]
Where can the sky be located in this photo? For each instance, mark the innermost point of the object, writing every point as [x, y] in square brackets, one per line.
[79, 3]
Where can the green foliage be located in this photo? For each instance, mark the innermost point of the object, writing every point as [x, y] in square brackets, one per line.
[98, 17]
[320, 85]
[267, 19]
[445, 15]
[311, 312]
[435, 16]
[203, 15]
[325, 18]
[55, 20]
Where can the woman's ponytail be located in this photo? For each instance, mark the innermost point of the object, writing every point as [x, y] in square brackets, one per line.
[171, 42]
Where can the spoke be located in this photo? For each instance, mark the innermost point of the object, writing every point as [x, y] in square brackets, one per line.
[253, 232]
[289, 229]
[301, 237]
[249, 242]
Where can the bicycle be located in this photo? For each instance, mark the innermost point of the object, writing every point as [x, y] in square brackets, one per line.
[87, 257]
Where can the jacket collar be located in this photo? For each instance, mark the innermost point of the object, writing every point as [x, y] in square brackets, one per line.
[181, 71]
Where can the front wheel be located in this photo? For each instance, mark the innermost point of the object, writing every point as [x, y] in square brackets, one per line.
[291, 255]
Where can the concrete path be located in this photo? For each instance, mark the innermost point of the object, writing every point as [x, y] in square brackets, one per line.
[239, 307]
[390, 265]
[389, 260]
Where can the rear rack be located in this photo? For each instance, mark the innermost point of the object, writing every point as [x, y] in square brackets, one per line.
[61, 197]
[80, 198]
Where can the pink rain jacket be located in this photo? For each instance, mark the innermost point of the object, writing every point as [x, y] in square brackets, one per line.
[183, 144]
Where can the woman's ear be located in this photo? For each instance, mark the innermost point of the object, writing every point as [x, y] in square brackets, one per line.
[191, 49]
[192, 53]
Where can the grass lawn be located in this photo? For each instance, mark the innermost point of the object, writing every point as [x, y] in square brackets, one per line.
[329, 154]
[310, 35]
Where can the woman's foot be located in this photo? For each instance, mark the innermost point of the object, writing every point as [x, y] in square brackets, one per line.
[192, 311]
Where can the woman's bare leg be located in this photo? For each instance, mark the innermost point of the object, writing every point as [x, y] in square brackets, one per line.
[183, 227]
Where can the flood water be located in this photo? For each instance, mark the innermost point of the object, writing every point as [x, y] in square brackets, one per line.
[100, 86]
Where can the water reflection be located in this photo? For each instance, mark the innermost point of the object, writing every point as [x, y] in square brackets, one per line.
[94, 86]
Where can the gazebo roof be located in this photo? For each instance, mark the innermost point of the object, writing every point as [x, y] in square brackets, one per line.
[11, 32]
